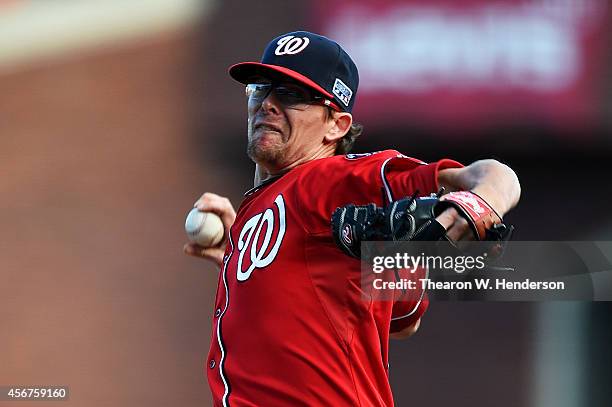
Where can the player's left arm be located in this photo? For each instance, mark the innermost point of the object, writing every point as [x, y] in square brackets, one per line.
[406, 332]
[493, 181]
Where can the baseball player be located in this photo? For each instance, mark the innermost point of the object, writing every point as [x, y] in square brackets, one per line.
[290, 325]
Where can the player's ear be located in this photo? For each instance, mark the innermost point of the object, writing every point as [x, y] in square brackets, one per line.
[340, 124]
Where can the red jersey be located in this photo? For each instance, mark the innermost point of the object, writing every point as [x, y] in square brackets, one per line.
[291, 327]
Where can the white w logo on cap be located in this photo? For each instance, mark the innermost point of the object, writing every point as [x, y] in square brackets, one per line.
[290, 45]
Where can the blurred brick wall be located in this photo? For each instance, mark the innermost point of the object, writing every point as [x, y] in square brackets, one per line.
[96, 176]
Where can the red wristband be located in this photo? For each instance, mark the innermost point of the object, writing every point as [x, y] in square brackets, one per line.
[476, 210]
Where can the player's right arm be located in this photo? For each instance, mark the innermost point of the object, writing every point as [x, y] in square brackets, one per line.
[222, 206]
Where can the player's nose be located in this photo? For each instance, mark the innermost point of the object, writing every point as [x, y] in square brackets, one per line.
[271, 104]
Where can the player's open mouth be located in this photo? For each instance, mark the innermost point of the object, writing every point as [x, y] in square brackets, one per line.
[267, 127]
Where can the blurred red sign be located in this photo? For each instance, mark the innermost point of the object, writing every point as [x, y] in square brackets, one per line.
[471, 63]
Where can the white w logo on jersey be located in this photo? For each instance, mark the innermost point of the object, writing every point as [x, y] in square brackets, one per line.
[290, 45]
[249, 238]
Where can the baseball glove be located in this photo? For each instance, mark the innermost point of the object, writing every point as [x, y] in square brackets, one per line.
[413, 219]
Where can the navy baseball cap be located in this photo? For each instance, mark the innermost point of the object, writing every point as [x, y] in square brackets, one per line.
[311, 59]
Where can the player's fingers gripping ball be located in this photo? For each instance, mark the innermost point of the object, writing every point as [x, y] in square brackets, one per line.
[204, 228]
[414, 219]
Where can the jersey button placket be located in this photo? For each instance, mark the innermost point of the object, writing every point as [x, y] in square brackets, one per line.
[217, 312]
[212, 364]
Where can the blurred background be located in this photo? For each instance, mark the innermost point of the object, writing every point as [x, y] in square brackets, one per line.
[116, 116]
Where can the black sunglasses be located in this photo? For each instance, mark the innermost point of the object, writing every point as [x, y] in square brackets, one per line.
[289, 94]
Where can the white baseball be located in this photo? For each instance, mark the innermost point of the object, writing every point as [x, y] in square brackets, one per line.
[204, 228]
